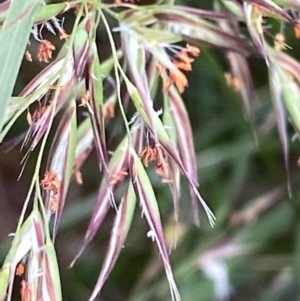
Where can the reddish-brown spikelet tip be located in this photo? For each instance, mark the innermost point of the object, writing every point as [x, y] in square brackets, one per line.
[234, 82]
[85, 101]
[108, 110]
[78, 177]
[26, 293]
[279, 42]
[179, 78]
[20, 269]
[297, 31]
[28, 56]
[50, 181]
[118, 176]
[63, 35]
[45, 51]
[53, 204]
[147, 155]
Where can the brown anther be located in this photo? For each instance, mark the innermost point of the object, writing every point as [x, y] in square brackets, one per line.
[177, 77]
[181, 61]
[45, 51]
[85, 101]
[183, 66]
[161, 164]
[78, 176]
[53, 204]
[29, 118]
[148, 155]
[55, 87]
[28, 56]
[118, 176]
[184, 57]
[76, 167]
[38, 113]
[279, 42]
[233, 82]
[161, 171]
[156, 154]
[63, 35]
[236, 84]
[108, 110]
[258, 9]
[192, 50]
[259, 25]
[51, 182]
[20, 269]
[159, 68]
[85, 98]
[297, 31]
[26, 292]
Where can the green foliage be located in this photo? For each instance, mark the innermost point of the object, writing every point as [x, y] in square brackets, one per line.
[120, 115]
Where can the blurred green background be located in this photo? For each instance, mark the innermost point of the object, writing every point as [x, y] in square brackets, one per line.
[253, 253]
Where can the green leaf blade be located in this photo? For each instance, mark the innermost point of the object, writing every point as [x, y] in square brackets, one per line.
[14, 35]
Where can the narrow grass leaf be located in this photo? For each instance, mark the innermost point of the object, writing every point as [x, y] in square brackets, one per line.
[156, 36]
[136, 59]
[4, 281]
[254, 24]
[288, 71]
[240, 71]
[291, 97]
[199, 30]
[287, 63]
[185, 144]
[85, 143]
[117, 168]
[95, 87]
[174, 172]
[4, 6]
[119, 233]
[201, 13]
[145, 194]
[38, 230]
[14, 105]
[81, 46]
[51, 275]
[235, 8]
[35, 257]
[143, 17]
[166, 143]
[20, 246]
[276, 93]
[14, 36]
[292, 4]
[47, 12]
[184, 131]
[274, 9]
